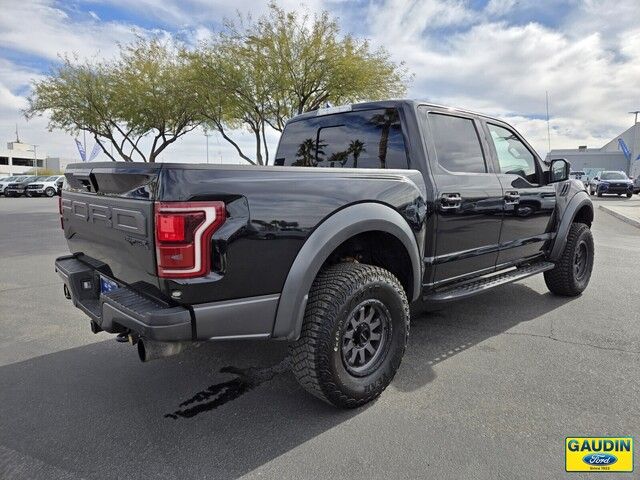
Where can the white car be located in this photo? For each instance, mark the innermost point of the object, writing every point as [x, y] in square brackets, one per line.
[6, 181]
[47, 186]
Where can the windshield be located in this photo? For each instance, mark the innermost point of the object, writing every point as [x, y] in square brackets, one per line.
[51, 179]
[613, 176]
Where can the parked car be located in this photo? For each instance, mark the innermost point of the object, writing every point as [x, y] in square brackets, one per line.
[4, 182]
[636, 185]
[18, 186]
[592, 185]
[614, 183]
[581, 176]
[47, 186]
[424, 204]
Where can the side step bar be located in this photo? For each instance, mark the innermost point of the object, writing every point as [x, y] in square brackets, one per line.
[482, 284]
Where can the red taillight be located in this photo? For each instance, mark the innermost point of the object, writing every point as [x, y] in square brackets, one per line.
[183, 236]
[170, 228]
[178, 228]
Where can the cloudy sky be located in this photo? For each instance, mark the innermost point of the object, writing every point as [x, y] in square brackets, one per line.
[494, 56]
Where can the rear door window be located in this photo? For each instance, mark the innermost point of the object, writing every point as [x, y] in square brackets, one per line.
[457, 144]
[362, 139]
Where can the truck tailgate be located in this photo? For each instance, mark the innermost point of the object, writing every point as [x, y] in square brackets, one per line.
[107, 214]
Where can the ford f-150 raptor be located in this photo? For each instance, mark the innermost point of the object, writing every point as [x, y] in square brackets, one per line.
[417, 204]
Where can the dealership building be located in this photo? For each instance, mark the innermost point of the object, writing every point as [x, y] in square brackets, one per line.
[621, 153]
[19, 158]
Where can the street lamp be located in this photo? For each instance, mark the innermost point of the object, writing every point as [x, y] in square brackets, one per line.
[207, 135]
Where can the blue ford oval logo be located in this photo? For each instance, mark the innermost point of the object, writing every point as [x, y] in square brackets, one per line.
[599, 459]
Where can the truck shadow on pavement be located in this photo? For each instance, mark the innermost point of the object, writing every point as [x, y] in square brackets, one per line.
[96, 411]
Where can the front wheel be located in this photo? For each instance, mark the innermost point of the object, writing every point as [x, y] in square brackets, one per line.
[354, 334]
[50, 192]
[629, 195]
[571, 275]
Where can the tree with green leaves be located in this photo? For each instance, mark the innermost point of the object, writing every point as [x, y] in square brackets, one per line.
[385, 121]
[139, 103]
[259, 74]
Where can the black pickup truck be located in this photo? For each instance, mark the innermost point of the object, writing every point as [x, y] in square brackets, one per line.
[418, 204]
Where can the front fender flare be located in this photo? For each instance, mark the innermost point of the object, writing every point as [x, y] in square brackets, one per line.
[578, 201]
[339, 227]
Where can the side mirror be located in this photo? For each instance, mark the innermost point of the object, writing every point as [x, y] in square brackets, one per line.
[559, 170]
[596, 178]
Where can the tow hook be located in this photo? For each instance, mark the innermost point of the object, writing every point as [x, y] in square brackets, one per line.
[67, 293]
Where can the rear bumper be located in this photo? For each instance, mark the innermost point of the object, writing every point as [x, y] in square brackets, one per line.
[126, 310]
[123, 309]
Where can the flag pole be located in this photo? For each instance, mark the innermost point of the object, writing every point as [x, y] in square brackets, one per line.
[548, 127]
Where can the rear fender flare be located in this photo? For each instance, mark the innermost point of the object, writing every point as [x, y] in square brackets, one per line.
[335, 230]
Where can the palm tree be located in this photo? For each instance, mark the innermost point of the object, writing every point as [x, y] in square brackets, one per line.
[384, 121]
[356, 147]
[306, 153]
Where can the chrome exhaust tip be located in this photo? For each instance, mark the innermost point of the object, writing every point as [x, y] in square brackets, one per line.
[151, 350]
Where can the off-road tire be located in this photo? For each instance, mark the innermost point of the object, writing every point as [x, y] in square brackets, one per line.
[565, 279]
[317, 356]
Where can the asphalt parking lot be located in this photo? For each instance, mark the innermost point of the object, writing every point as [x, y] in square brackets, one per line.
[489, 387]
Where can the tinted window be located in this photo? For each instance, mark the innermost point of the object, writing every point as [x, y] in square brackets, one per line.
[23, 162]
[363, 139]
[513, 156]
[457, 144]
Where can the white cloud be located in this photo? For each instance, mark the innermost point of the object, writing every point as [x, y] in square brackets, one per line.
[503, 67]
[40, 28]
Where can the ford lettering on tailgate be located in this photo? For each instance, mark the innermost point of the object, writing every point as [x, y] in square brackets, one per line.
[126, 220]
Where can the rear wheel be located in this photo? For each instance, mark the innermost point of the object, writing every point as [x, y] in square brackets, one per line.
[354, 334]
[571, 274]
[28, 194]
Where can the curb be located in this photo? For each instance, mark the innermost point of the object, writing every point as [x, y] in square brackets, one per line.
[620, 216]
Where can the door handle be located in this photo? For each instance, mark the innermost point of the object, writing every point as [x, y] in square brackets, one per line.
[450, 201]
[511, 198]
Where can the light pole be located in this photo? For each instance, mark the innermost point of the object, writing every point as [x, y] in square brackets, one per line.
[207, 135]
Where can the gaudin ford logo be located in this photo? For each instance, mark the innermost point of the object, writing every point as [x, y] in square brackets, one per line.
[599, 454]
